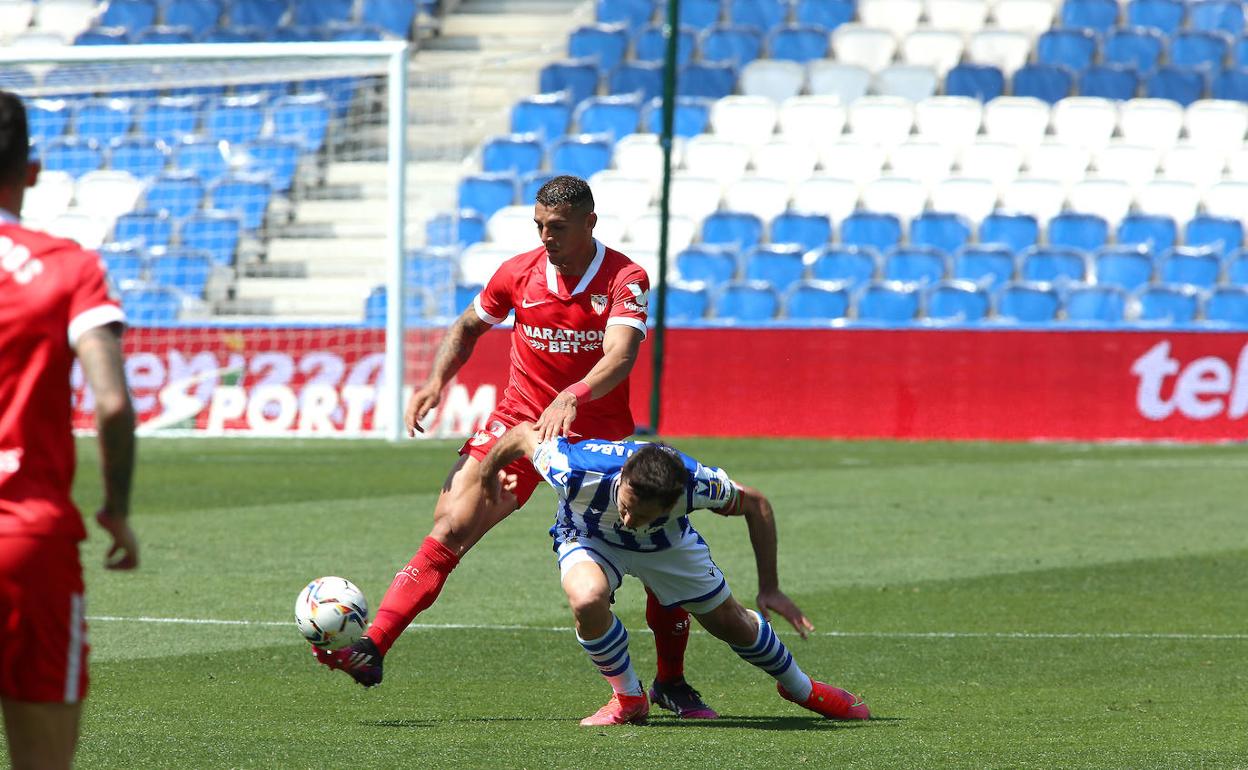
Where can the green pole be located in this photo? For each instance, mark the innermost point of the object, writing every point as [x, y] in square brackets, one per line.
[671, 30]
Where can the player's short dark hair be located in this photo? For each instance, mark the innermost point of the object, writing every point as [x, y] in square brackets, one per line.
[14, 138]
[656, 473]
[567, 190]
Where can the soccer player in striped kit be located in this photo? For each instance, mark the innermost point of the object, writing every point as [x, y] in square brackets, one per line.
[624, 509]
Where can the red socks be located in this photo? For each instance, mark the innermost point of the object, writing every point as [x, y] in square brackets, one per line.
[671, 635]
[414, 590]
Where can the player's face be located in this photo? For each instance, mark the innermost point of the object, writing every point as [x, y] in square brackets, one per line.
[636, 513]
[568, 235]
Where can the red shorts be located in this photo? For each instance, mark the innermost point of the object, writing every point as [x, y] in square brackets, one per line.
[43, 650]
[479, 445]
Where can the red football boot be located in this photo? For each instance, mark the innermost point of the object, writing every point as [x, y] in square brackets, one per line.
[620, 710]
[830, 702]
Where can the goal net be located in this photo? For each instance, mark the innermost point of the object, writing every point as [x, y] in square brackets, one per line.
[250, 203]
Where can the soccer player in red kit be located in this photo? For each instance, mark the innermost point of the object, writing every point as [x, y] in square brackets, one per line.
[54, 304]
[580, 318]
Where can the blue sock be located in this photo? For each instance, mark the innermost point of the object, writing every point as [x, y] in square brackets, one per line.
[769, 653]
[609, 653]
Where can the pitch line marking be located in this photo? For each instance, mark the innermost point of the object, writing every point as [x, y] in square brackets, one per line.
[1023, 635]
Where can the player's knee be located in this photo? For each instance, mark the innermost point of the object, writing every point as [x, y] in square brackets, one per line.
[730, 622]
[586, 600]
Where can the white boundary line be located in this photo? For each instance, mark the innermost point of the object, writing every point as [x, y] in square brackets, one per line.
[1024, 635]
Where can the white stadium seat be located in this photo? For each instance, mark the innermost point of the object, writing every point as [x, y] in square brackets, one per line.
[834, 197]
[649, 261]
[1194, 161]
[1028, 16]
[1018, 119]
[940, 49]
[971, 197]
[1109, 199]
[1040, 197]
[694, 196]
[882, 120]
[964, 16]
[786, 159]
[763, 196]
[37, 38]
[852, 158]
[110, 193]
[643, 232]
[1226, 199]
[1085, 120]
[621, 193]
[50, 197]
[912, 82]
[66, 18]
[15, 18]
[1154, 122]
[1054, 159]
[1169, 198]
[713, 156]
[87, 229]
[811, 118]
[512, 227]
[1237, 165]
[996, 161]
[1217, 124]
[641, 155]
[928, 162]
[747, 119]
[868, 47]
[951, 120]
[846, 82]
[1134, 164]
[899, 17]
[902, 197]
[479, 262]
[776, 79]
[611, 228]
[999, 48]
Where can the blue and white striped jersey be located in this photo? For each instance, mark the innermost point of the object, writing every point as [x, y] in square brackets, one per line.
[587, 477]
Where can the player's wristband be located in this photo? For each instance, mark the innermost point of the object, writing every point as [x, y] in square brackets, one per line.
[580, 390]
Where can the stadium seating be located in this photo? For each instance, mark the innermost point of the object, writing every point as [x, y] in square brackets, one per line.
[1175, 305]
[1227, 305]
[817, 301]
[1028, 303]
[748, 302]
[1100, 305]
[957, 301]
[852, 265]
[888, 302]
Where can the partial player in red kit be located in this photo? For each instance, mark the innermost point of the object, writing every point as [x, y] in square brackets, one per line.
[580, 317]
[54, 304]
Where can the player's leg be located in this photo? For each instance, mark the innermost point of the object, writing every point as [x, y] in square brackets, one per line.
[670, 689]
[752, 638]
[42, 736]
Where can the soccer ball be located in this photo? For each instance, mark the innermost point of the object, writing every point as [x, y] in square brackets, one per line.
[331, 612]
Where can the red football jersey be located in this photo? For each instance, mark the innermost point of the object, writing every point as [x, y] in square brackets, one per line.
[51, 291]
[559, 331]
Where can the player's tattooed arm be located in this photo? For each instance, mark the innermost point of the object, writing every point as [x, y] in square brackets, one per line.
[760, 518]
[520, 441]
[453, 352]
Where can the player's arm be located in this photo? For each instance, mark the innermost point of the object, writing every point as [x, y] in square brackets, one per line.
[620, 347]
[520, 441]
[453, 352]
[760, 518]
[99, 351]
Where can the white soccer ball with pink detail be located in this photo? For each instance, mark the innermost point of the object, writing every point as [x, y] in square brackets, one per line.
[331, 612]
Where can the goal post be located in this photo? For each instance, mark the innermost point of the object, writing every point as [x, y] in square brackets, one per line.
[197, 225]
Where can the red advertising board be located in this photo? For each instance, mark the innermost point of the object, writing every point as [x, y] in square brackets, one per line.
[852, 383]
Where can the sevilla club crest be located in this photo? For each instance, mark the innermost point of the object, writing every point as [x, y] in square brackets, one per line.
[598, 302]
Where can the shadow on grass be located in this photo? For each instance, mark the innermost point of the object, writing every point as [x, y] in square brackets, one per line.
[739, 722]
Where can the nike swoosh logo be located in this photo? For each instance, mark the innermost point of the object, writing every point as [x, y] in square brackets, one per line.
[524, 303]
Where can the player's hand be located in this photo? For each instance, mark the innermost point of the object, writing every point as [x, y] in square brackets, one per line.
[496, 486]
[123, 553]
[777, 601]
[426, 397]
[557, 419]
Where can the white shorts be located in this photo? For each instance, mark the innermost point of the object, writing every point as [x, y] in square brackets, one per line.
[682, 575]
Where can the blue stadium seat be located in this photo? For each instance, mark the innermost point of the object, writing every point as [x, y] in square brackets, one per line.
[957, 302]
[487, 193]
[778, 265]
[761, 14]
[709, 265]
[546, 115]
[169, 118]
[235, 119]
[457, 229]
[103, 36]
[817, 301]
[1109, 81]
[140, 156]
[1222, 234]
[196, 14]
[1023, 302]
[303, 118]
[151, 305]
[581, 155]
[738, 229]
[215, 233]
[515, 154]
[747, 302]
[853, 265]
[1199, 267]
[637, 77]
[166, 35]
[246, 195]
[432, 268]
[1231, 84]
[634, 14]
[150, 228]
[1071, 48]
[869, 228]
[687, 301]
[810, 231]
[1139, 48]
[888, 302]
[1176, 84]
[316, 13]
[1237, 268]
[941, 230]
[1127, 267]
[177, 193]
[124, 262]
[233, 35]
[828, 14]
[262, 14]
[347, 30]
[1175, 305]
[179, 268]
[1098, 15]
[341, 91]
[1239, 52]
[395, 18]
[692, 117]
[268, 91]
[711, 80]
[1052, 265]
[531, 182]
[1096, 304]
[978, 81]
[733, 44]
[102, 119]
[1217, 16]
[46, 118]
[466, 293]
[1165, 16]
[1154, 231]
[700, 14]
[802, 44]
[206, 157]
[297, 34]
[916, 264]
[1228, 305]
[129, 14]
[1047, 82]
[985, 266]
[650, 45]
[71, 154]
[375, 307]
[578, 78]
[616, 115]
[1196, 49]
[418, 304]
[605, 46]
[1015, 231]
[1074, 230]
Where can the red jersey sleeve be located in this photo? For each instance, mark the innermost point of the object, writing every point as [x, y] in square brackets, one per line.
[496, 300]
[91, 302]
[630, 297]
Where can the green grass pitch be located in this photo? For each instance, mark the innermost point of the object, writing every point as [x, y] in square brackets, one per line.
[998, 605]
